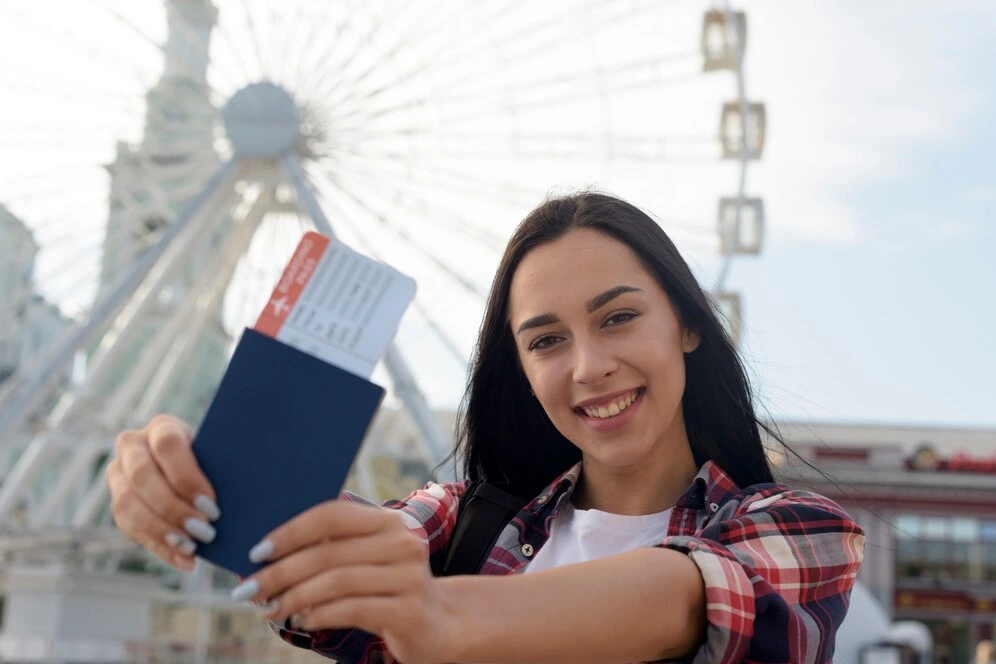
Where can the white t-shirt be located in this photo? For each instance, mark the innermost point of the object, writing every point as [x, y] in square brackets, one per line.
[578, 536]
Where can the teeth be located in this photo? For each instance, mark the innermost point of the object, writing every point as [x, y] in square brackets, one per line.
[613, 409]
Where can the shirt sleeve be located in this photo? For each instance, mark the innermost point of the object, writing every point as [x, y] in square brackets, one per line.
[778, 576]
[430, 513]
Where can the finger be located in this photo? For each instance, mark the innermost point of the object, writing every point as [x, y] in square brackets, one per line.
[342, 582]
[334, 519]
[170, 445]
[142, 525]
[370, 614]
[379, 549]
[145, 478]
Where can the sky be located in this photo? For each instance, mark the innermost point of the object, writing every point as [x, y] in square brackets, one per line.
[870, 302]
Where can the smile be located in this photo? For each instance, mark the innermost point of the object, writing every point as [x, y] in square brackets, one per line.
[611, 408]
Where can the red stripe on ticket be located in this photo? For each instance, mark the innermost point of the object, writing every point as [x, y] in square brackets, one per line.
[292, 282]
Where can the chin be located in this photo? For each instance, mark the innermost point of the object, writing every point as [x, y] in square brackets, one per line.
[617, 457]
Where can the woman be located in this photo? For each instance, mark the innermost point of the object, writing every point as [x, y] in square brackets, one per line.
[604, 389]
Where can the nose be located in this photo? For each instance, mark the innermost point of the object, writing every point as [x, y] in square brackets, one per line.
[592, 361]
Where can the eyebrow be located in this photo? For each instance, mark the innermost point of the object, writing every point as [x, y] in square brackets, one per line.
[592, 305]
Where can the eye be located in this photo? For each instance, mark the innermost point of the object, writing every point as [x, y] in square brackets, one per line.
[543, 342]
[620, 317]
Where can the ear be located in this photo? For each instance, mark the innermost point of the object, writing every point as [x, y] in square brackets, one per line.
[690, 340]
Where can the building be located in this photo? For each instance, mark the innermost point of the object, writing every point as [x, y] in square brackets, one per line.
[17, 259]
[31, 324]
[153, 181]
[926, 498]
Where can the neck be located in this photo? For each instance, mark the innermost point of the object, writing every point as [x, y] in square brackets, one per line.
[651, 486]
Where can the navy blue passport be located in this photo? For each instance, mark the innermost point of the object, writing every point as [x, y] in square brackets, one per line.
[279, 437]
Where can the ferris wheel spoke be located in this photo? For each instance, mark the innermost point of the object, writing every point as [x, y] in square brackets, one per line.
[612, 11]
[432, 61]
[206, 93]
[645, 79]
[254, 38]
[299, 38]
[460, 181]
[233, 73]
[562, 147]
[235, 54]
[103, 56]
[333, 43]
[82, 98]
[643, 73]
[350, 191]
[336, 75]
[641, 70]
[443, 216]
[354, 86]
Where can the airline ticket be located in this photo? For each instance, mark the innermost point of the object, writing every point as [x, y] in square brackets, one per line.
[337, 305]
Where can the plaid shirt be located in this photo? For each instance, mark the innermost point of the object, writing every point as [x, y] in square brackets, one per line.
[778, 565]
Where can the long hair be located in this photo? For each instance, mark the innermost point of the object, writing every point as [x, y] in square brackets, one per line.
[503, 434]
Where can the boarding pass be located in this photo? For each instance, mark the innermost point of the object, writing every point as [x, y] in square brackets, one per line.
[337, 305]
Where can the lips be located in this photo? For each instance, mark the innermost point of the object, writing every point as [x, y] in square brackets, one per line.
[608, 406]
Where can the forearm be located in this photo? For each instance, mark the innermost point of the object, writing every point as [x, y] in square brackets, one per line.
[642, 605]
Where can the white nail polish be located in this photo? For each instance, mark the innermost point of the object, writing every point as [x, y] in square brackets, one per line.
[207, 507]
[266, 608]
[261, 551]
[182, 544]
[245, 591]
[200, 530]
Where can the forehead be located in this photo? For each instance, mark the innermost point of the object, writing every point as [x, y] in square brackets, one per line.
[573, 268]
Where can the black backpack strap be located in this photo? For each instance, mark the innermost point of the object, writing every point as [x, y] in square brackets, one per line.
[484, 512]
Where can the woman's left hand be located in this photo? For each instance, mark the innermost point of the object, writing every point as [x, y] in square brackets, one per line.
[343, 565]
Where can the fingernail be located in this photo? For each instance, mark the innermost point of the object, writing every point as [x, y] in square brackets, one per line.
[181, 543]
[267, 607]
[246, 590]
[261, 551]
[201, 530]
[207, 507]
[297, 620]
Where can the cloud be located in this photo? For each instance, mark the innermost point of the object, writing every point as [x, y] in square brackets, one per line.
[852, 90]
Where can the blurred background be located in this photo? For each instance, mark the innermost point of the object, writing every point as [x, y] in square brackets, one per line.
[826, 169]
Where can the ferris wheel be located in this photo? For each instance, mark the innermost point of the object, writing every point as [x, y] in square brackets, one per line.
[166, 157]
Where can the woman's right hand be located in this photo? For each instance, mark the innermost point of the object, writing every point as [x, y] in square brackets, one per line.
[159, 496]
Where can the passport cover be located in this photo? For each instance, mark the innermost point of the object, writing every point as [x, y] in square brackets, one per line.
[279, 437]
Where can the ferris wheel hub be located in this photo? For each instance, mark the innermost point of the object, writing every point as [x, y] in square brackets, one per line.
[262, 121]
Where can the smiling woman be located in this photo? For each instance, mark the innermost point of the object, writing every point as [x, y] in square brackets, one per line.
[607, 395]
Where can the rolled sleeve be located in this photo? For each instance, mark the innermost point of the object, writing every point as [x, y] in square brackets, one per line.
[777, 575]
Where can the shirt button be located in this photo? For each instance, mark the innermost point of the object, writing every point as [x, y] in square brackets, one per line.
[713, 507]
[527, 550]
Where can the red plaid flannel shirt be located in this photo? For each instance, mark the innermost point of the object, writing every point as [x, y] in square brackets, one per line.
[778, 565]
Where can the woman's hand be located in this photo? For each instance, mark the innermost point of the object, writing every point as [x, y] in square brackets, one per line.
[343, 565]
[159, 496]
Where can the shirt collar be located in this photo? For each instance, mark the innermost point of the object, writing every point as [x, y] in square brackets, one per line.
[710, 486]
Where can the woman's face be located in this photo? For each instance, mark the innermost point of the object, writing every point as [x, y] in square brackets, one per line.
[602, 348]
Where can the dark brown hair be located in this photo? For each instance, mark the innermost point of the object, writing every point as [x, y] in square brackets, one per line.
[505, 437]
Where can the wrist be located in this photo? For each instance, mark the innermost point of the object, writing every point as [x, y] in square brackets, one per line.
[463, 631]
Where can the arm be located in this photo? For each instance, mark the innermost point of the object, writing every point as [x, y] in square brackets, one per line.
[778, 576]
[638, 606]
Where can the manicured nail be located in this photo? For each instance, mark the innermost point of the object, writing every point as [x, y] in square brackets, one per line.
[267, 607]
[201, 530]
[261, 551]
[181, 543]
[207, 507]
[246, 590]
